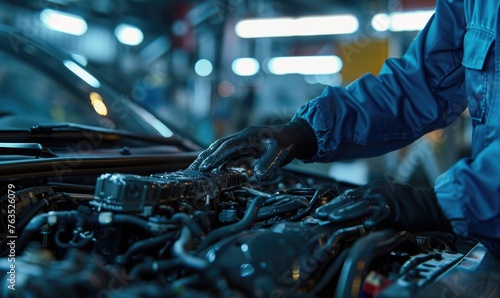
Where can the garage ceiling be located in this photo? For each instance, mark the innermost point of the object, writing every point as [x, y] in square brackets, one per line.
[159, 11]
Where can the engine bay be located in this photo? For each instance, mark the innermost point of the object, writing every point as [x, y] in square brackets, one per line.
[218, 234]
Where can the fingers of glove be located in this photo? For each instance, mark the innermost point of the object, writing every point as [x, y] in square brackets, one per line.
[351, 211]
[325, 210]
[199, 160]
[231, 149]
[379, 218]
[271, 159]
[207, 152]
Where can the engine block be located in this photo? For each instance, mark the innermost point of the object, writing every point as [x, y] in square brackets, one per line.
[133, 193]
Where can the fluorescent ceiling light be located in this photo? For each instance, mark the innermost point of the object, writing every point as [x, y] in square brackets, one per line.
[82, 73]
[63, 22]
[203, 67]
[128, 34]
[402, 21]
[304, 26]
[245, 66]
[306, 65]
[381, 22]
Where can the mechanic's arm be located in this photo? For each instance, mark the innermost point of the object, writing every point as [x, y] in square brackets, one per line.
[420, 92]
[411, 96]
[465, 200]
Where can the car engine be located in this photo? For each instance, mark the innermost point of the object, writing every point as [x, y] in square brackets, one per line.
[193, 234]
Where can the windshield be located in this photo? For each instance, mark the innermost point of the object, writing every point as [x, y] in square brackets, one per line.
[31, 95]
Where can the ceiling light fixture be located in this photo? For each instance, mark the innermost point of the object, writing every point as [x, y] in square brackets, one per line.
[401, 21]
[63, 22]
[245, 66]
[304, 26]
[129, 35]
[305, 65]
[203, 67]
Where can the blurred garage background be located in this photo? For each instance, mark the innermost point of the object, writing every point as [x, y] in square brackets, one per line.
[213, 67]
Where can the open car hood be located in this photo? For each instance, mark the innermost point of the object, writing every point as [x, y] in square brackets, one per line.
[109, 226]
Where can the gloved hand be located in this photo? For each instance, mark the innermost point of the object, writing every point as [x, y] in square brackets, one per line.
[386, 204]
[273, 146]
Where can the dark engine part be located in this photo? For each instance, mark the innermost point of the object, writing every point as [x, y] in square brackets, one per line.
[140, 194]
[38, 274]
[217, 234]
[421, 270]
[290, 256]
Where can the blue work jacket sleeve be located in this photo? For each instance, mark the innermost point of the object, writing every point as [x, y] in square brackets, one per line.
[469, 194]
[420, 92]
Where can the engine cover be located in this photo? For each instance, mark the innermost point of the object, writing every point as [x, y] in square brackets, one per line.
[133, 193]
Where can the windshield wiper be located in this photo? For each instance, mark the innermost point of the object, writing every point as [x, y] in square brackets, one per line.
[71, 131]
[108, 134]
[28, 149]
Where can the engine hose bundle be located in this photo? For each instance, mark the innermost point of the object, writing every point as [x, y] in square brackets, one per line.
[133, 220]
[144, 244]
[332, 246]
[39, 206]
[36, 223]
[360, 258]
[299, 191]
[330, 272]
[189, 261]
[245, 223]
[74, 242]
[287, 205]
[322, 190]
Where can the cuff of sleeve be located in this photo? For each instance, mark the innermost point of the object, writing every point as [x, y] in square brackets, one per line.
[306, 138]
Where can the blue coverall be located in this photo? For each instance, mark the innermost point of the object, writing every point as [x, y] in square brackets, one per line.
[454, 63]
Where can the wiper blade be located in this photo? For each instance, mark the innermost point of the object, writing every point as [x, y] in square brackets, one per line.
[48, 130]
[54, 128]
[28, 149]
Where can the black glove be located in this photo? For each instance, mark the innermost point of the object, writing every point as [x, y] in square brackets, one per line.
[386, 204]
[273, 146]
